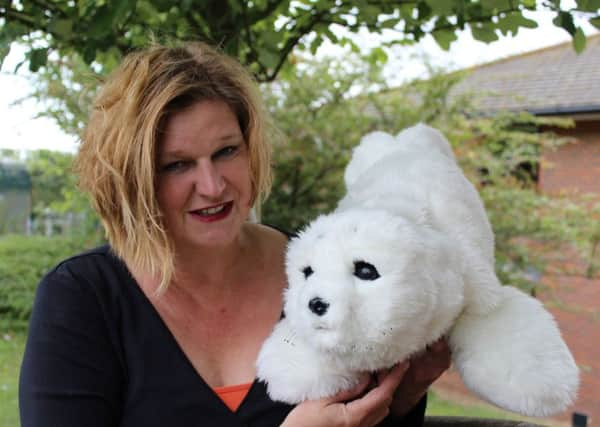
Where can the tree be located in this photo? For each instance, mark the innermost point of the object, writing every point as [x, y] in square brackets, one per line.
[65, 89]
[261, 33]
[500, 155]
[54, 190]
[319, 124]
[51, 178]
[72, 44]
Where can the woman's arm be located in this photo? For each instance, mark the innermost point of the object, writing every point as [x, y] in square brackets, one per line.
[70, 374]
[424, 370]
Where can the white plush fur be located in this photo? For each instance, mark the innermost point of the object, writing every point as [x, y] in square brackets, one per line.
[410, 213]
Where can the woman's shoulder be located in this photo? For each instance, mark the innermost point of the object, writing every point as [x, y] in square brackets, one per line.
[100, 256]
[268, 242]
[274, 229]
[94, 283]
[269, 236]
[97, 266]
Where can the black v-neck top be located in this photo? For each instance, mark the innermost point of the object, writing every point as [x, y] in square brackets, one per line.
[99, 355]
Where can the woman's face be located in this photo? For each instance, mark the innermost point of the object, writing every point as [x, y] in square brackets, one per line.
[204, 185]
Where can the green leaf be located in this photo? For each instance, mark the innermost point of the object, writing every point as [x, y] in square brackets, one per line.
[37, 58]
[84, 7]
[389, 23]
[484, 33]
[513, 21]
[354, 48]
[186, 5]
[270, 37]
[588, 5]
[268, 58]
[565, 20]
[377, 56]
[5, 44]
[579, 40]
[595, 22]
[442, 7]
[163, 5]
[406, 12]
[235, 6]
[314, 45]
[424, 11]
[527, 23]
[4, 51]
[103, 22]
[368, 13]
[89, 54]
[444, 38]
[330, 35]
[61, 27]
[122, 10]
[496, 4]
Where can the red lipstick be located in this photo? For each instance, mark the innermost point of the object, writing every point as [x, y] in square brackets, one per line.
[213, 213]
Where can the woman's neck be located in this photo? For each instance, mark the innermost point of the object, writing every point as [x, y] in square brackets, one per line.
[215, 267]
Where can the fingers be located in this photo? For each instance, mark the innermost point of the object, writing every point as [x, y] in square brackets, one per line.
[438, 346]
[366, 411]
[399, 369]
[354, 392]
[380, 396]
[431, 364]
[389, 382]
[375, 416]
[392, 377]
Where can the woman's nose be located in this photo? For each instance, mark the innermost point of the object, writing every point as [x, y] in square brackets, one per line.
[209, 180]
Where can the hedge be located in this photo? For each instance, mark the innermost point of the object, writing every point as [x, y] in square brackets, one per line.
[24, 260]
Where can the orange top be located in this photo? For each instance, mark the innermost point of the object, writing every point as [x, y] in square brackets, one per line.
[233, 395]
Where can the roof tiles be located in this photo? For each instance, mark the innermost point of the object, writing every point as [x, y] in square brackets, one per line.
[553, 80]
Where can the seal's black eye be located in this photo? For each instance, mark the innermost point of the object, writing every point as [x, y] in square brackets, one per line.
[307, 271]
[365, 271]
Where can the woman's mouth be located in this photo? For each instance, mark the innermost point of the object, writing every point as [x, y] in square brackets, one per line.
[213, 213]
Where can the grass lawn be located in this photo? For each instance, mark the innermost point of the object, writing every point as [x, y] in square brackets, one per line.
[444, 406]
[11, 352]
[437, 405]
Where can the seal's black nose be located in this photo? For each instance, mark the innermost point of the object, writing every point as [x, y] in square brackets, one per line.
[318, 306]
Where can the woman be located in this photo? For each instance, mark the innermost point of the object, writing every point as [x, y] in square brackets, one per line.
[163, 326]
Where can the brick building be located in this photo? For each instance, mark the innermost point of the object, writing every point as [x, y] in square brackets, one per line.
[556, 81]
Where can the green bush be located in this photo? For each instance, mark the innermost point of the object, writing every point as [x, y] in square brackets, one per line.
[23, 262]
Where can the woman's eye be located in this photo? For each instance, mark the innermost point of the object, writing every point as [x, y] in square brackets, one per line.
[307, 271]
[365, 271]
[228, 151]
[173, 166]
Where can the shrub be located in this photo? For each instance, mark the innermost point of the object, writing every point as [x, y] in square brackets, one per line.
[23, 262]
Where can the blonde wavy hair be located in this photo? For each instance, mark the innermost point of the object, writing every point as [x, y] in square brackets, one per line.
[116, 162]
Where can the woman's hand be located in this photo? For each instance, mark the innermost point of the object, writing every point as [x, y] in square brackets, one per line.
[424, 370]
[341, 410]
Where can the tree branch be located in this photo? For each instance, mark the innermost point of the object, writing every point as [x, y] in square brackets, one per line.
[18, 16]
[53, 7]
[253, 54]
[293, 41]
[262, 14]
